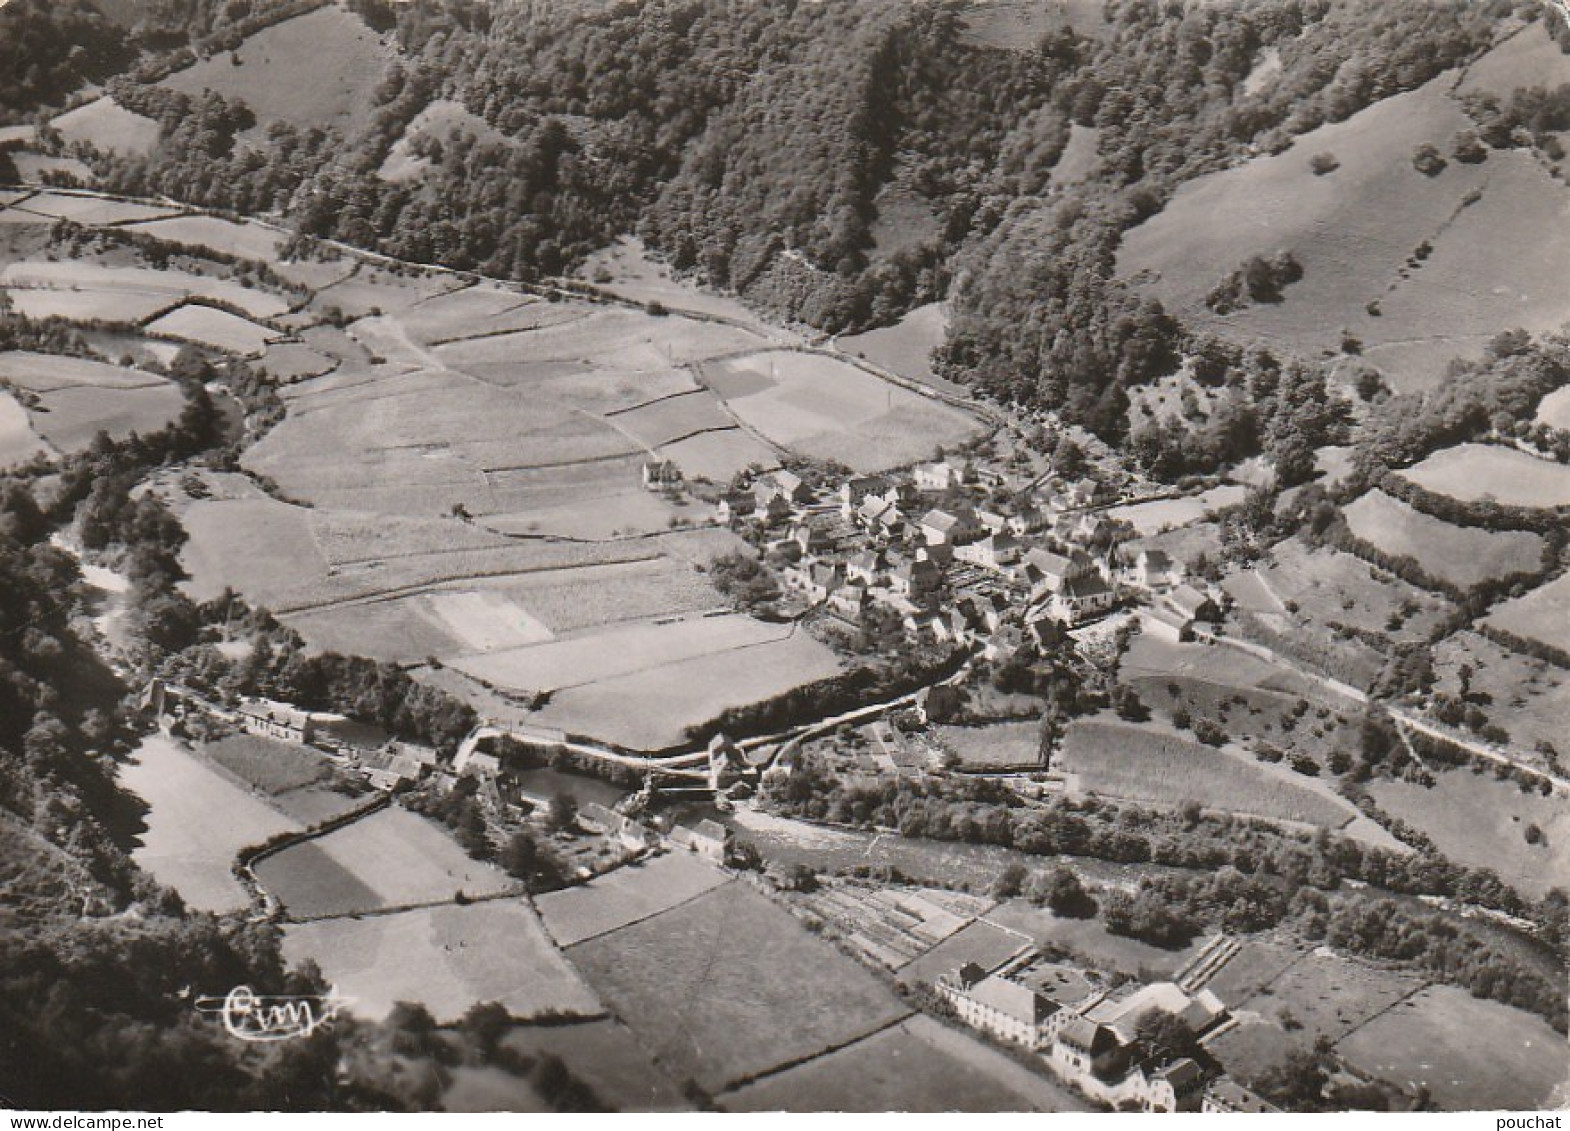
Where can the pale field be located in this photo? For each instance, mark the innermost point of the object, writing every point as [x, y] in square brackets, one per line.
[439, 120]
[1528, 58]
[46, 373]
[1470, 1054]
[370, 288]
[197, 823]
[1167, 514]
[88, 305]
[445, 958]
[608, 391]
[1481, 822]
[142, 283]
[617, 652]
[906, 347]
[398, 631]
[1554, 409]
[296, 361]
[674, 418]
[217, 328]
[591, 595]
[260, 547]
[33, 167]
[474, 312]
[1473, 472]
[486, 621]
[93, 211]
[629, 894]
[1463, 556]
[651, 709]
[808, 397]
[349, 538]
[718, 456]
[635, 512]
[1012, 745]
[244, 241]
[405, 858]
[106, 125]
[18, 442]
[282, 75]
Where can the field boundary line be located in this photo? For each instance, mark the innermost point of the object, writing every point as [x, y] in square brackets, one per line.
[402, 908]
[631, 922]
[829, 1050]
[698, 387]
[1402, 1000]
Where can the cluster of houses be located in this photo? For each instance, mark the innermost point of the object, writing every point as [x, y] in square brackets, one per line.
[938, 550]
[1089, 1034]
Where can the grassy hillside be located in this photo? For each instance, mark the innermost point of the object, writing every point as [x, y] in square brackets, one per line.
[319, 69]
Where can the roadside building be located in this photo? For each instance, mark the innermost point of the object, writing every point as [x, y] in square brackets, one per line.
[279, 721]
[1002, 1007]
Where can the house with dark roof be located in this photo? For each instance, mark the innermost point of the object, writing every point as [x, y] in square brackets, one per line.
[1178, 1086]
[276, 720]
[1081, 598]
[1003, 1007]
[1226, 1096]
[1083, 1048]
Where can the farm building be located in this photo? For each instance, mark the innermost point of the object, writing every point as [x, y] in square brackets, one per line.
[940, 527]
[276, 720]
[708, 838]
[915, 580]
[1084, 1049]
[660, 474]
[1226, 1096]
[1048, 572]
[998, 1005]
[1081, 598]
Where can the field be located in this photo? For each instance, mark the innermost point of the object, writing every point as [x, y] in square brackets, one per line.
[1166, 514]
[35, 167]
[751, 988]
[393, 858]
[121, 293]
[890, 926]
[446, 958]
[1470, 1054]
[298, 780]
[1528, 697]
[197, 823]
[106, 125]
[998, 746]
[829, 409]
[72, 399]
[279, 73]
[1462, 556]
[18, 442]
[627, 895]
[1554, 409]
[1473, 472]
[1090, 941]
[905, 1068]
[605, 1056]
[1018, 25]
[626, 270]
[1141, 764]
[1543, 614]
[217, 328]
[1477, 820]
[983, 942]
[1355, 230]
[244, 241]
[91, 210]
[906, 347]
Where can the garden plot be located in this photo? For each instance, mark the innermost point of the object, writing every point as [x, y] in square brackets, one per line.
[1461, 556]
[891, 927]
[18, 442]
[820, 404]
[618, 652]
[1012, 746]
[445, 958]
[652, 709]
[109, 127]
[393, 858]
[629, 894]
[1142, 764]
[986, 944]
[122, 290]
[198, 820]
[1482, 822]
[1470, 1054]
[1475, 472]
[753, 990]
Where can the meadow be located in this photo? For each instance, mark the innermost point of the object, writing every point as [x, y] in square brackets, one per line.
[91, 210]
[198, 820]
[1460, 555]
[439, 120]
[606, 1056]
[1166, 514]
[1090, 940]
[247, 240]
[298, 780]
[1540, 615]
[753, 989]
[1554, 409]
[124, 290]
[1474, 472]
[1013, 745]
[393, 858]
[446, 958]
[1470, 1054]
[628, 894]
[1140, 764]
[18, 442]
[1478, 820]
[207, 326]
[1527, 696]
[106, 125]
[906, 347]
